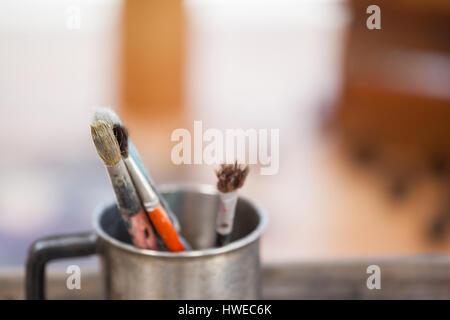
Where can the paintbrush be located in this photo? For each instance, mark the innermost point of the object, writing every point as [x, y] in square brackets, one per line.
[109, 116]
[150, 201]
[230, 177]
[128, 202]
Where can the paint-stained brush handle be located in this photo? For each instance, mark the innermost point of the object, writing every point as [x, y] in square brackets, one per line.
[141, 231]
[135, 218]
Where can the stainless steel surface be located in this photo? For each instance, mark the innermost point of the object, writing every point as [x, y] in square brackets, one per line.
[229, 272]
[44, 250]
[148, 197]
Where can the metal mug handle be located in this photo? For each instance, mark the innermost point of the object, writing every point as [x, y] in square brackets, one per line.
[50, 248]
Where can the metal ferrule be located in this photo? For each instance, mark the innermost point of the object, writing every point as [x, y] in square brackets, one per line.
[148, 197]
[135, 155]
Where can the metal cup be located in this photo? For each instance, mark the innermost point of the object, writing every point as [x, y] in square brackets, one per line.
[228, 272]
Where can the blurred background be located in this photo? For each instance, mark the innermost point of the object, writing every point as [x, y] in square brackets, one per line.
[364, 115]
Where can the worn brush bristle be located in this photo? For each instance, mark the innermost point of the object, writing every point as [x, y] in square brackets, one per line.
[106, 115]
[231, 176]
[121, 134]
[107, 147]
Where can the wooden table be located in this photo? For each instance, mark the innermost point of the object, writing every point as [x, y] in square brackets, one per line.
[421, 277]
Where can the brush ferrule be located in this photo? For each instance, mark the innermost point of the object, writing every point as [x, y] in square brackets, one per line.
[148, 197]
[126, 196]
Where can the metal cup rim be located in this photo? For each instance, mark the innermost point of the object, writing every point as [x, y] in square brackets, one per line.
[200, 188]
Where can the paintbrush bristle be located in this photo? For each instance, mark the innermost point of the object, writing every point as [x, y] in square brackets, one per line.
[107, 147]
[107, 115]
[121, 134]
[231, 176]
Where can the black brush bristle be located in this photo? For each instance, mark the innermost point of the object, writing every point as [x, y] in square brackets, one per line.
[121, 134]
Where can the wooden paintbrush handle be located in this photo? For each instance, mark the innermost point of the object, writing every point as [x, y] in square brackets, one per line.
[141, 231]
[165, 229]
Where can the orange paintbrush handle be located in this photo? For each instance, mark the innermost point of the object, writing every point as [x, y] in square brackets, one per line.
[165, 229]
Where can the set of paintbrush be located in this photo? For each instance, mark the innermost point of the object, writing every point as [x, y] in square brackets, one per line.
[147, 216]
[149, 220]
